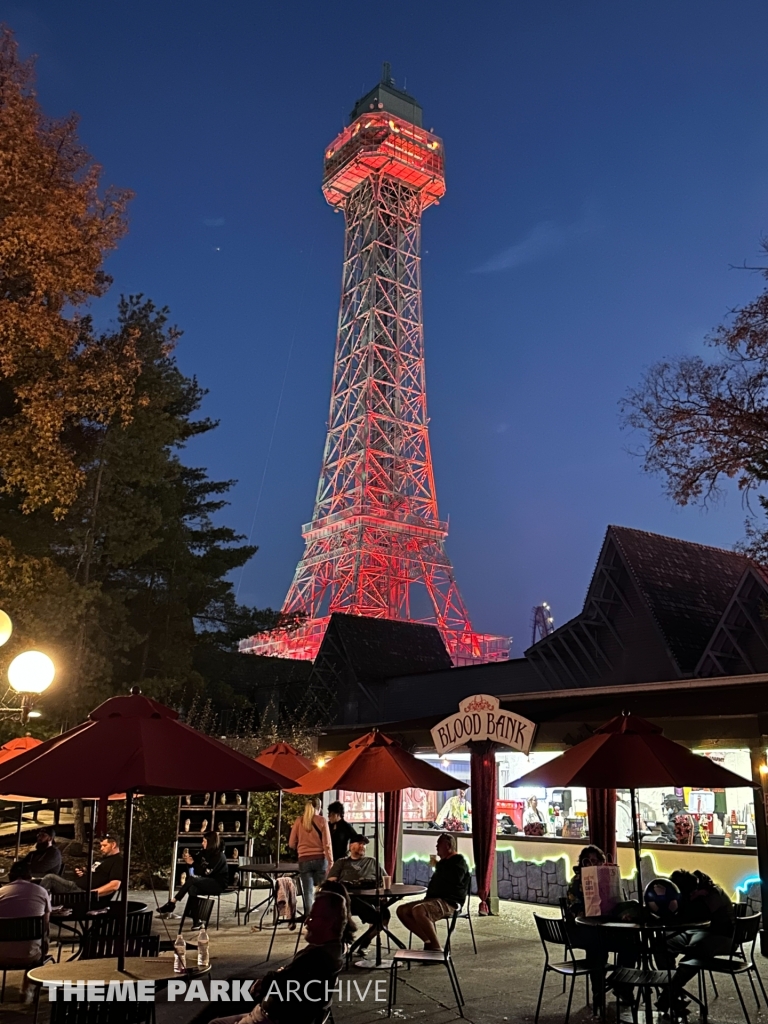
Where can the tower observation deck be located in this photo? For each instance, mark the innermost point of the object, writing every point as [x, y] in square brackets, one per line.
[376, 545]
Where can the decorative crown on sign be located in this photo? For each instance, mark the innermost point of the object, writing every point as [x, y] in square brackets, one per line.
[479, 704]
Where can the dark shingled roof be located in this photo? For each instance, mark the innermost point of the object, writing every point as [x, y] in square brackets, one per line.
[380, 648]
[687, 586]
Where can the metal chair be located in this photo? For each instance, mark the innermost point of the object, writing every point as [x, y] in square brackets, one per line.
[205, 906]
[100, 940]
[21, 929]
[467, 916]
[428, 956]
[552, 931]
[740, 961]
[462, 917]
[79, 903]
[101, 1013]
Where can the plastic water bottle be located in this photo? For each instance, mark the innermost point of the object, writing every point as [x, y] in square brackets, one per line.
[180, 955]
[203, 959]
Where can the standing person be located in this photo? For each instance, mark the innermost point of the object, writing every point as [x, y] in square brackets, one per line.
[532, 815]
[45, 859]
[106, 878]
[342, 832]
[211, 878]
[311, 837]
[446, 892]
[21, 897]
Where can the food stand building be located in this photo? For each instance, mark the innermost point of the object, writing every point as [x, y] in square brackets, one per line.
[672, 631]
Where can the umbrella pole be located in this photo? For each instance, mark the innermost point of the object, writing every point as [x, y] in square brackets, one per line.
[123, 915]
[279, 822]
[18, 830]
[90, 849]
[378, 875]
[636, 844]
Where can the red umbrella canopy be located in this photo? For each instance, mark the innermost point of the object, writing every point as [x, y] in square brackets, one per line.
[12, 749]
[375, 763]
[630, 753]
[138, 744]
[285, 759]
[18, 746]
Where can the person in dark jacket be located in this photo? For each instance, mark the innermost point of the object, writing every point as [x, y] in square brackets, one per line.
[45, 859]
[210, 878]
[446, 892]
[298, 992]
[342, 832]
[700, 900]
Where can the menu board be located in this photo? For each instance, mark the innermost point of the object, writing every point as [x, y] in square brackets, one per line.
[574, 828]
[735, 834]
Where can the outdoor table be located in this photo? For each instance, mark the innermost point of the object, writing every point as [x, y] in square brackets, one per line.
[645, 927]
[267, 870]
[137, 968]
[384, 898]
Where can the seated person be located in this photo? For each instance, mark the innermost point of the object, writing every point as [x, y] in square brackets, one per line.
[105, 880]
[211, 877]
[283, 996]
[447, 890]
[700, 900]
[348, 936]
[45, 859]
[590, 856]
[597, 943]
[21, 897]
[358, 871]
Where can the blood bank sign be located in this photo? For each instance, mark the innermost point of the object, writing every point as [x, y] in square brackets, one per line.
[481, 718]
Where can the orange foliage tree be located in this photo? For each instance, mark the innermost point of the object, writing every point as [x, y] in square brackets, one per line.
[56, 228]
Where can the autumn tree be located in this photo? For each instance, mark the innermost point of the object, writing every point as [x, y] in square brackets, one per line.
[705, 421]
[56, 228]
[146, 559]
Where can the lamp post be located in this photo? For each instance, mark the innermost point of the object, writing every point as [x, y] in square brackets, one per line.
[29, 675]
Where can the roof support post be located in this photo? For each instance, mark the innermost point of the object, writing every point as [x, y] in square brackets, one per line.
[757, 758]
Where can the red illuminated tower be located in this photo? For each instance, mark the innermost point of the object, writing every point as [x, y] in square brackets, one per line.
[376, 544]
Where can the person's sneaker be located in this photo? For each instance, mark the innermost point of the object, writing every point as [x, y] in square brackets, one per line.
[167, 908]
[673, 1006]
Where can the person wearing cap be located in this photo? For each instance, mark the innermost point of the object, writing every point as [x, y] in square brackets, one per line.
[358, 871]
[105, 880]
[45, 859]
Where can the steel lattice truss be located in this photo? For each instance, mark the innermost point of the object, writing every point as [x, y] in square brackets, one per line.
[375, 545]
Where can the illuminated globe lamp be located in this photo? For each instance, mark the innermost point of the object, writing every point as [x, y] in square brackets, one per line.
[29, 675]
[6, 627]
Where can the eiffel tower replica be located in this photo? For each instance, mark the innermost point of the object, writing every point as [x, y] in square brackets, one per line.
[376, 544]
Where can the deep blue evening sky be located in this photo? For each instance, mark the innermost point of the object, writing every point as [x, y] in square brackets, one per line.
[606, 162]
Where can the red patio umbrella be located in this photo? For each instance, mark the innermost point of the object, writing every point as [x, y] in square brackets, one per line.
[375, 763]
[630, 753]
[133, 744]
[18, 746]
[13, 748]
[285, 759]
